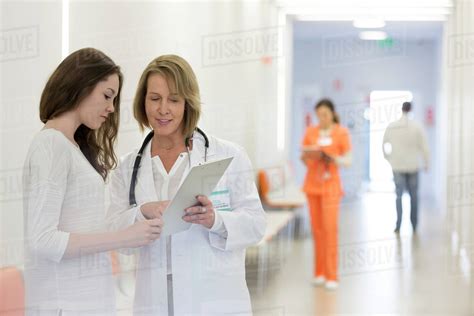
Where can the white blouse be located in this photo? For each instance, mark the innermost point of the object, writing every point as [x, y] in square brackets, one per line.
[166, 184]
[63, 194]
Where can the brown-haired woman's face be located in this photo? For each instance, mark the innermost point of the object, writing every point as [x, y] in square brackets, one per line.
[164, 108]
[325, 116]
[99, 104]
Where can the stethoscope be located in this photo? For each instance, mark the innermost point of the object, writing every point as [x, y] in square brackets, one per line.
[138, 159]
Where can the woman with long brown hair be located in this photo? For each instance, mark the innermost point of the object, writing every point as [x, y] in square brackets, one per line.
[67, 268]
[326, 148]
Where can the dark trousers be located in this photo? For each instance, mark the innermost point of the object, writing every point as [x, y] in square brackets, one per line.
[407, 181]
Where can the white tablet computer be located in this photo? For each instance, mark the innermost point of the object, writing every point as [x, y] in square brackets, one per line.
[201, 180]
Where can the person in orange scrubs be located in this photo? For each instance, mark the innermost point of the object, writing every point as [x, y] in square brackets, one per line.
[326, 147]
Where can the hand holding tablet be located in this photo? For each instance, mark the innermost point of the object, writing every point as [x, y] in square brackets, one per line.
[200, 181]
[202, 214]
[311, 152]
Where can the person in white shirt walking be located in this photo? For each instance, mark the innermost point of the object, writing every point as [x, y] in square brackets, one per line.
[67, 268]
[406, 149]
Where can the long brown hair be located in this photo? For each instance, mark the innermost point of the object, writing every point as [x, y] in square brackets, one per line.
[72, 81]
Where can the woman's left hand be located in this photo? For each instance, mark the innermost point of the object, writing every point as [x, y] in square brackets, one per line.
[202, 214]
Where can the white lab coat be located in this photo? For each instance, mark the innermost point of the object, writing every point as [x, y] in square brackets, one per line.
[208, 269]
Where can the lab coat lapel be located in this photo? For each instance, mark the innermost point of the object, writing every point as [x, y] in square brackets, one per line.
[198, 154]
[145, 188]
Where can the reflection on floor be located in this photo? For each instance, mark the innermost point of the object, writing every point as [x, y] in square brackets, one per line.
[379, 273]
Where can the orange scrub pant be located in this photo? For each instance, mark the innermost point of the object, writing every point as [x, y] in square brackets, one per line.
[324, 214]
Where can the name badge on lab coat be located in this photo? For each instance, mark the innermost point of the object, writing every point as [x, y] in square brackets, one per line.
[221, 200]
[324, 141]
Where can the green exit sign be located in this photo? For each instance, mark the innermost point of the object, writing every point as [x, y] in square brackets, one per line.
[386, 43]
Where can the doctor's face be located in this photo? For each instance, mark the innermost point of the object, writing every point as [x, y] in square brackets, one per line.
[164, 108]
[95, 109]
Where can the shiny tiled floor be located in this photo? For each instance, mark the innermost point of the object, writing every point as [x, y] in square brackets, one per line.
[380, 274]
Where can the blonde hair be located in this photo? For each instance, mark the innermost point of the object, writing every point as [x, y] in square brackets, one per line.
[180, 77]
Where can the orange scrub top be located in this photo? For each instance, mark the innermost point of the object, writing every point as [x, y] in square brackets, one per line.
[322, 179]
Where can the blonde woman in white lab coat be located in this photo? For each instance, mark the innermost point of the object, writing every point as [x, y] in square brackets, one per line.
[200, 271]
[67, 270]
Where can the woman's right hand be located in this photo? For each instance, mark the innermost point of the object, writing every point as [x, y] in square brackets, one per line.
[141, 233]
[154, 209]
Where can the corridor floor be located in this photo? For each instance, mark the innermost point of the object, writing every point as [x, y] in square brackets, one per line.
[380, 273]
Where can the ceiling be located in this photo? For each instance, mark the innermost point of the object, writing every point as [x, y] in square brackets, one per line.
[347, 10]
[409, 30]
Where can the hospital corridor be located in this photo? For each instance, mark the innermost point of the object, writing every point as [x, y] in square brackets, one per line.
[236, 157]
[380, 274]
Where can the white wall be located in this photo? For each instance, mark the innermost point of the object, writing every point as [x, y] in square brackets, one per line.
[238, 91]
[30, 49]
[236, 96]
[459, 102]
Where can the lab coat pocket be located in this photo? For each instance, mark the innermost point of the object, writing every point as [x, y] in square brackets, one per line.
[218, 264]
